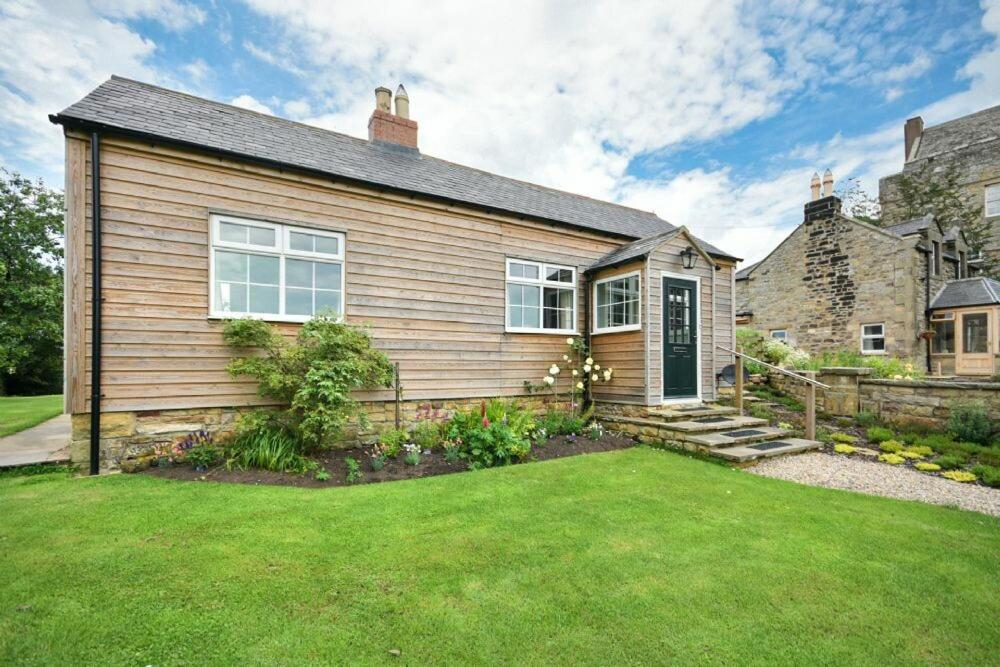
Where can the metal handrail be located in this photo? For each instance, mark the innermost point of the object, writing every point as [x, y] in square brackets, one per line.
[780, 370]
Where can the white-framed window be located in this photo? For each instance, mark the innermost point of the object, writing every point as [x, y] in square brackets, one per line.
[873, 338]
[541, 297]
[275, 272]
[992, 200]
[937, 258]
[780, 334]
[617, 303]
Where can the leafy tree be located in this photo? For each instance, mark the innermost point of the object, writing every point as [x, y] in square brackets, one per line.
[31, 295]
[857, 203]
[938, 190]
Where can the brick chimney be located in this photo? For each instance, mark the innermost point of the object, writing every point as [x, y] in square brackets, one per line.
[912, 131]
[387, 127]
[827, 206]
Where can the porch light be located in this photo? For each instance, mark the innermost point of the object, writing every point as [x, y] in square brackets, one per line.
[688, 257]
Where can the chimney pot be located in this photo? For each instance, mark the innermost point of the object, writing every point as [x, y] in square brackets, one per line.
[814, 186]
[402, 102]
[827, 183]
[383, 98]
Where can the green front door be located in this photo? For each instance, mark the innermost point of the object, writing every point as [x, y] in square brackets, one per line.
[680, 338]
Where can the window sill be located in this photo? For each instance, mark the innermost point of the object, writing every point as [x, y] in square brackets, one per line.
[609, 330]
[877, 353]
[544, 332]
[285, 319]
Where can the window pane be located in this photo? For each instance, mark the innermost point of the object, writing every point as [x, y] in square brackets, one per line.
[298, 241]
[327, 244]
[873, 329]
[518, 270]
[514, 295]
[531, 317]
[603, 294]
[298, 301]
[232, 233]
[263, 299]
[974, 335]
[327, 276]
[556, 274]
[262, 236]
[231, 297]
[514, 316]
[263, 270]
[298, 273]
[603, 316]
[944, 337]
[530, 296]
[230, 266]
[328, 299]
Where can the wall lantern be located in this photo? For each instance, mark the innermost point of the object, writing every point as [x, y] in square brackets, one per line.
[688, 257]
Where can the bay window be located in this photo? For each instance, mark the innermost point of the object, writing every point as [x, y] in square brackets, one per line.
[616, 303]
[274, 272]
[541, 298]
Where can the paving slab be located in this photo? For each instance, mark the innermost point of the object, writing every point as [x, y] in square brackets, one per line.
[748, 453]
[683, 413]
[722, 424]
[46, 443]
[722, 439]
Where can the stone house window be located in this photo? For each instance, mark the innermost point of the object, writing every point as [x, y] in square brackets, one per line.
[873, 338]
[780, 334]
[937, 258]
[992, 200]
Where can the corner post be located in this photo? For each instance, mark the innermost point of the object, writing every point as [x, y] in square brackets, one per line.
[810, 406]
[738, 386]
[399, 392]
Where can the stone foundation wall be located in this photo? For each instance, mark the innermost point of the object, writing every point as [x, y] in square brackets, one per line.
[128, 438]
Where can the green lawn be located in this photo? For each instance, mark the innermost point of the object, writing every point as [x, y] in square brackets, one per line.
[20, 412]
[634, 556]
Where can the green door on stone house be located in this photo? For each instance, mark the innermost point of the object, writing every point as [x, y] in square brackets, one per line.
[680, 338]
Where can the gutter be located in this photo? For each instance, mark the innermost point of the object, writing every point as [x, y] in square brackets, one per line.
[95, 352]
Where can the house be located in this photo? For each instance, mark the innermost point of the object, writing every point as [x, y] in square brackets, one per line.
[839, 283]
[965, 319]
[970, 143]
[182, 212]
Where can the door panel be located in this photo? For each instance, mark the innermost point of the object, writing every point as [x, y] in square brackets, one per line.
[974, 353]
[680, 338]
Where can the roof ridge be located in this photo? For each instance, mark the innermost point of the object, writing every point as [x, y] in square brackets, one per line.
[987, 110]
[282, 119]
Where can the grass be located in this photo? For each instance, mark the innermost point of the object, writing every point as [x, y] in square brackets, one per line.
[20, 412]
[636, 556]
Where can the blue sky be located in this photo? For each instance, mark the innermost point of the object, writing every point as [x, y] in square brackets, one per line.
[714, 115]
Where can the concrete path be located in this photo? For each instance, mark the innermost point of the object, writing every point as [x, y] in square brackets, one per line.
[46, 443]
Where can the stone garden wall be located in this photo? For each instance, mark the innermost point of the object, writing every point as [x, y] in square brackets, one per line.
[852, 390]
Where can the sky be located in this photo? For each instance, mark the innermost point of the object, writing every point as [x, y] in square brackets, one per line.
[712, 114]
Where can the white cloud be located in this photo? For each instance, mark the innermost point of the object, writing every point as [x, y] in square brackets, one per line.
[249, 102]
[172, 14]
[198, 70]
[297, 108]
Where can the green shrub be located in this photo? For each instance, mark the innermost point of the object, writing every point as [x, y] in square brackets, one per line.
[877, 434]
[988, 475]
[922, 450]
[939, 442]
[354, 474]
[452, 452]
[204, 456]
[562, 422]
[923, 466]
[909, 454]
[391, 441]
[486, 442]
[959, 476]
[951, 461]
[824, 435]
[314, 376]
[970, 421]
[865, 419]
[267, 447]
[761, 412]
[321, 476]
[891, 446]
[412, 456]
[427, 434]
[909, 438]
[892, 459]
[990, 455]
[844, 449]
[844, 438]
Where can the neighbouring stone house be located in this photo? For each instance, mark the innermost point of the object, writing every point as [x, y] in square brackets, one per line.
[972, 143]
[839, 283]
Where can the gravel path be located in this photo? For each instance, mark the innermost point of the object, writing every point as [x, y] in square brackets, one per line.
[879, 479]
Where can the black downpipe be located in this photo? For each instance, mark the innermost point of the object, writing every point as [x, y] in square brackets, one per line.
[588, 398]
[927, 308]
[95, 317]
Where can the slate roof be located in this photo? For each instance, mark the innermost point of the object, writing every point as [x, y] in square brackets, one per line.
[979, 291]
[977, 128]
[744, 273]
[142, 109]
[633, 250]
[910, 226]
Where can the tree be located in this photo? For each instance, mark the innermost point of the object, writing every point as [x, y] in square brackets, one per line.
[938, 190]
[31, 295]
[857, 203]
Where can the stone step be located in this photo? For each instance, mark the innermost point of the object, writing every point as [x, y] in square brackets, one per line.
[730, 438]
[714, 424]
[767, 449]
[686, 413]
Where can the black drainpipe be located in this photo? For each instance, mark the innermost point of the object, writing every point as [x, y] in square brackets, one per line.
[587, 398]
[927, 306]
[95, 352]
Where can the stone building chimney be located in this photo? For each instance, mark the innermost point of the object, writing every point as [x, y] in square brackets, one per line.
[828, 205]
[386, 127]
[912, 132]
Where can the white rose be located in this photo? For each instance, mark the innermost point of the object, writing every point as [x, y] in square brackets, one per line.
[579, 385]
[575, 372]
[565, 357]
[549, 380]
[586, 368]
[569, 341]
[553, 370]
[597, 367]
[594, 377]
[607, 375]
[589, 361]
